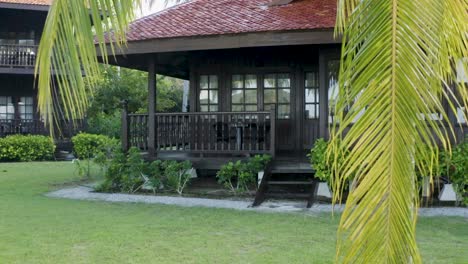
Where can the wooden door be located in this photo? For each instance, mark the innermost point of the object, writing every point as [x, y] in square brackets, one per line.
[278, 91]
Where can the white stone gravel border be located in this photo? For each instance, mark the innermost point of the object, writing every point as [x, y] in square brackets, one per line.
[279, 206]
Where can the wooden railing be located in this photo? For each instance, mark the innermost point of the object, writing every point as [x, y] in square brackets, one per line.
[37, 127]
[18, 55]
[203, 133]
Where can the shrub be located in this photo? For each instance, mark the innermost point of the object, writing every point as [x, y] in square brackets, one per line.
[177, 175]
[238, 176]
[154, 176]
[455, 168]
[87, 146]
[124, 172]
[26, 148]
[93, 148]
[321, 163]
[130, 173]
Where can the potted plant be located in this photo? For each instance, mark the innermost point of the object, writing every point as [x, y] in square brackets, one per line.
[455, 169]
[428, 172]
[258, 164]
[320, 163]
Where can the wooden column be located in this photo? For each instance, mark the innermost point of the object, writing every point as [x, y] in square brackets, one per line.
[151, 106]
[298, 99]
[323, 96]
[125, 127]
[273, 138]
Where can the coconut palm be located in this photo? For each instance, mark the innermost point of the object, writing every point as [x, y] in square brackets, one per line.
[396, 67]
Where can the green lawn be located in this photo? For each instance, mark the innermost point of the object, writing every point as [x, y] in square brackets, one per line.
[37, 229]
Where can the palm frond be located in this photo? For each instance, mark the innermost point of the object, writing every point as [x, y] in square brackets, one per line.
[67, 52]
[397, 66]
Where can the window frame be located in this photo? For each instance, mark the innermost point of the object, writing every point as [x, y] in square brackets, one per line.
[209, 90]
[277, 89]
[316, 88]
[26, 115]
[244, 104]
[8, 100]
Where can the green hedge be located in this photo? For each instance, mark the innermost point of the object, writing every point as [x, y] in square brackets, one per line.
[26, 148]
[88, 146]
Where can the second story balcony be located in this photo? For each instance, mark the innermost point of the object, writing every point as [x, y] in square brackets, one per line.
[18, 56]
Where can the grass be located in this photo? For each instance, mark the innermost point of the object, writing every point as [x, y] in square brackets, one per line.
[38, 229]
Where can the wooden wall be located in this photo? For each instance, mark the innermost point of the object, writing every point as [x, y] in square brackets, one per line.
[295, 134]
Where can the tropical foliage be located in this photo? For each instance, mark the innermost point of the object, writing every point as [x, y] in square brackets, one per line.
[396, 65]
[128, 172]
[454, 166]
[320, 162]
[239, 176]
[117, 84]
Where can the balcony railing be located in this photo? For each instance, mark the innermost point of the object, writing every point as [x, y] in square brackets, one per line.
[37, 127]
[203, 133]
[18, 55]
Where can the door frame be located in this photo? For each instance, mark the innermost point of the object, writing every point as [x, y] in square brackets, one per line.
[325, 55]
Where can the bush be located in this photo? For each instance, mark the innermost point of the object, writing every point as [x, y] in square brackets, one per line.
[93, 148]
[26, 148]
[321, 163]
[130, 173]
[124, 172]
[177, 175]
[87, 146]
[455, 168]
[237, 177]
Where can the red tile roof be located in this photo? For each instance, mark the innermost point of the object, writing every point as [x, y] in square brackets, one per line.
[217, 17]
[28, 2]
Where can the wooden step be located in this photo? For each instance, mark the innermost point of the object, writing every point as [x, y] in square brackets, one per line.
[290, 182]
[288, 195]
[293, 170]
[267, 181]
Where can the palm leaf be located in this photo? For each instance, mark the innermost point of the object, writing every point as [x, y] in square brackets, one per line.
[67, 52]
[396, 65]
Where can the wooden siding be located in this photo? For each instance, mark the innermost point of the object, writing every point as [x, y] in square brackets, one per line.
[298, 132]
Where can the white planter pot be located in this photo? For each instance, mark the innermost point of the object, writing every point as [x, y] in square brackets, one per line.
[192, 172]
[323, 190]
[448, 194]
[260, 177]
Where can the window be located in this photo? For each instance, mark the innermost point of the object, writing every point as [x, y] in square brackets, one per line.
[26, 107]
[312, 95]
[244, 93]
[20, 38]
[7, 108]
[277, 91]
[208, 93]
